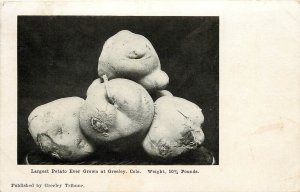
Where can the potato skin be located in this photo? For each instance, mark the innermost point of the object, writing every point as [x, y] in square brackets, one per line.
[55, 129]
[160, 93]
[119, 124]
[132, 56]
[176, 128]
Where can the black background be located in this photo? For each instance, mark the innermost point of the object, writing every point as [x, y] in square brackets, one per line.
[58, 55]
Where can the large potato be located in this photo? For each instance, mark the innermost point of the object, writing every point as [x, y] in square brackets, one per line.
[117, 113]
[132, 56]
[55, 129]
[176, 128]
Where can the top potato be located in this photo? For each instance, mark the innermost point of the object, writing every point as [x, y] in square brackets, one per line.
[132, 56]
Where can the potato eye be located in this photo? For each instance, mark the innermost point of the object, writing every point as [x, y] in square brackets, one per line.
[163, 148]
[99, 126]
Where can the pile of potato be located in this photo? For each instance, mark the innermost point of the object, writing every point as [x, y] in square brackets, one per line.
[119, 112]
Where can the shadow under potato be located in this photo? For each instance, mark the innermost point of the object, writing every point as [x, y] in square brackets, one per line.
[200, 156]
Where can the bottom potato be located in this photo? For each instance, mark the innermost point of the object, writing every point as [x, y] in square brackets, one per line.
[175, 130]
[55, 129]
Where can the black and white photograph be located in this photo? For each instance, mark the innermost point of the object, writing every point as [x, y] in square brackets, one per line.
[118, 90]
[144, 96]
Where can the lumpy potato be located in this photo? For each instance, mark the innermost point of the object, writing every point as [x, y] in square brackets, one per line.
[175, 130]
[55, 129]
